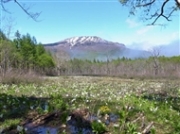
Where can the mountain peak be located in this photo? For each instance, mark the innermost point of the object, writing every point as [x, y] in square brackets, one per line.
[84, 39]
[92, 47]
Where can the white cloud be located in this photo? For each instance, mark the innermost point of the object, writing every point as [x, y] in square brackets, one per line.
[150, 41]
[144, 37]
[175, 35]
[132, 23]
[144, 30]
[164, 39]
[142, 45]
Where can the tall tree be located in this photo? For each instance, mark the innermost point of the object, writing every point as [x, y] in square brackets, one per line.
[2, 36]
[7, 55]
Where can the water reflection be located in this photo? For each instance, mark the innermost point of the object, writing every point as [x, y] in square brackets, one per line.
[74, 126]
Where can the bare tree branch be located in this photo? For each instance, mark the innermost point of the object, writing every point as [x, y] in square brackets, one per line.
[8, 27]
[152, 9]
[177, 3]
[33, 16]
[146, 4]
[162, 13]
[172, 11]
[2, 5]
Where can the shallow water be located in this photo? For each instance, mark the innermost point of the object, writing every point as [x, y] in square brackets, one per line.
[72, 126]
[41, 129]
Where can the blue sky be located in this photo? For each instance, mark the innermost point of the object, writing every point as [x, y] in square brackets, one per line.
[61, 19]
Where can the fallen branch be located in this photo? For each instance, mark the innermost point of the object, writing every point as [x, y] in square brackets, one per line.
[141, 116]
[146, 130]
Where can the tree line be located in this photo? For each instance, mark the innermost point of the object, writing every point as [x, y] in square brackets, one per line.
[152, 67]
[23, 54]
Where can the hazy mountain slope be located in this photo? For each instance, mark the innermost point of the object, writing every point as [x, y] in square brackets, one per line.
[92, 47]
[173, 49]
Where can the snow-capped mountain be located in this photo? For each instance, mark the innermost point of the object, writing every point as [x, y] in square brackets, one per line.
[93, 47]
[84, 39]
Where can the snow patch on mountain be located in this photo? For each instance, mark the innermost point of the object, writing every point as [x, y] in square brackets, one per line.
[84, 39]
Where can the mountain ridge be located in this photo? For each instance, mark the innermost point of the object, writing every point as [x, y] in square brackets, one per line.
[93, 47]
[82, 40]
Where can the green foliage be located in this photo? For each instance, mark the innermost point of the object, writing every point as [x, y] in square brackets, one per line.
[2, 36]
[153, 131]
[23, 53]
[131, 128]
[45, 61]
[57, 103]
[177, 127]
[98, 127]
[40, 50]
[33, 54]
[8, 56]
[133, 111]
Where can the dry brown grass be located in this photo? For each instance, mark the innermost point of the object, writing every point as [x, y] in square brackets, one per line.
[20, 77]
